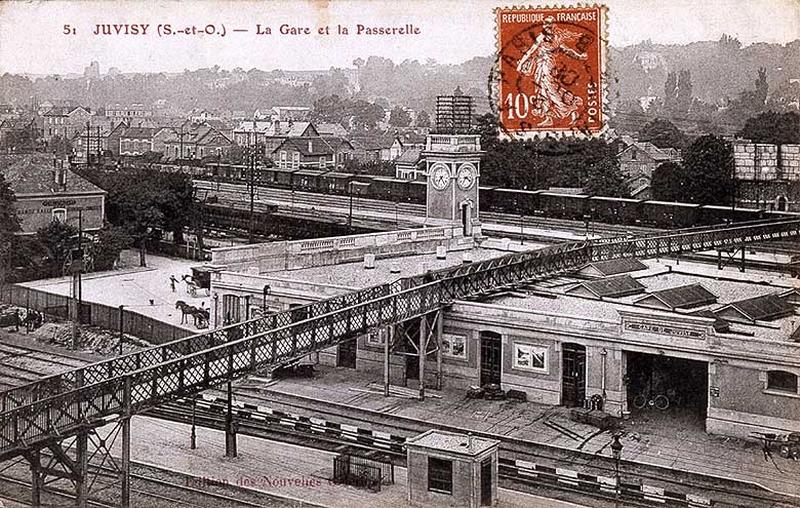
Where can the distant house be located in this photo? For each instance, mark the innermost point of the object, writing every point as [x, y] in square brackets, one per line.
[343, 150]
[136, 141]
[18, 134]
[403, 142]
[64, 121]
[331, 129]
[410, 165]
[304, 153]
[194, 142]
[285, 113]
[272, 133]
[642, 158]
[372, 148]
[46, 190]
[128, 111]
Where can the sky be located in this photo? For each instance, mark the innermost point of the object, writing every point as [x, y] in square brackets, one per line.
[33, 39]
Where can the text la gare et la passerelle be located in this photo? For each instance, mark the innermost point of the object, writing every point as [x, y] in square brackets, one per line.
[171, 29]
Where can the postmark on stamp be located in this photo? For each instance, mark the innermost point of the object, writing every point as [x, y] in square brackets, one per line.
[549, 77]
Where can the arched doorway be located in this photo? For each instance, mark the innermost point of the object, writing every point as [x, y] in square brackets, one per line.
[573, 374]
[781, 203]
[491, 357]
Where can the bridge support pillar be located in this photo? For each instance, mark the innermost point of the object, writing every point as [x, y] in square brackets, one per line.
[387, 347]
[37, 478]
[439, 328]
[230, 430]
[423, 350]
[125, 466]
[81, 469]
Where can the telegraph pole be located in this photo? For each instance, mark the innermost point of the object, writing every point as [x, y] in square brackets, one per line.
[251, 180]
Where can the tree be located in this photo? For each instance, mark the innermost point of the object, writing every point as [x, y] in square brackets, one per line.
[399, 117]
[366, 114]
[9, 225]
[56, 239]
[110, 242]
[667, 182]
[663, 134]
[486, 126]
[708, 170]
[773, 128]
[423, 119]
[605, 179]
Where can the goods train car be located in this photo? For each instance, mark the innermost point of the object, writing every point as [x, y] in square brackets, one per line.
[564, 206]
[713, 214]
[614, 210]
[669, 215]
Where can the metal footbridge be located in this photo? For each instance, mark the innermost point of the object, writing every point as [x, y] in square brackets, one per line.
[40, 415]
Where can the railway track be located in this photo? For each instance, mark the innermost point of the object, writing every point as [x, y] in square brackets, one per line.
[20, 365]
[151, 486]
[261, 424]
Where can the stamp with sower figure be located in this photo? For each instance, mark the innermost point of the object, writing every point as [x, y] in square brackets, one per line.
[550, 71]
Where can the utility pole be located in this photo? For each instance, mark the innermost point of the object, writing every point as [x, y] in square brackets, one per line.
[251, 181]
[121, 327]
[88, 133]
[76, 268]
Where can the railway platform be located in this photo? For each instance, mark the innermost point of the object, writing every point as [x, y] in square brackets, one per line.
[667, 439]
[297, 474]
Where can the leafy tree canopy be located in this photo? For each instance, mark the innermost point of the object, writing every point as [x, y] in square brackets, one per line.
[399, 117]
[774, 128]
[663, 134]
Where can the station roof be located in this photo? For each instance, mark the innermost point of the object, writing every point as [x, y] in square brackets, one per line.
[681, 297]
[736, 301]
[622, 285]
[387, 268]
[760, 308]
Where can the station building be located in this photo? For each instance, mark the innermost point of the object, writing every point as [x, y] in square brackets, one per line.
[630, 335]
[723, 346]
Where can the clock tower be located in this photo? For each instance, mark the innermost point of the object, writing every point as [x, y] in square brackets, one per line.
[453, 161]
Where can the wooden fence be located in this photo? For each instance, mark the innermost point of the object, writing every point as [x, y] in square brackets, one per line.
[96, 314]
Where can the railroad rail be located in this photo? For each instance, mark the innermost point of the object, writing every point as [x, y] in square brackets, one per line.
[63, 405]
[521, 462]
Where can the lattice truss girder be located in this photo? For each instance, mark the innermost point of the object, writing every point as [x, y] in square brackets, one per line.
[58, 405]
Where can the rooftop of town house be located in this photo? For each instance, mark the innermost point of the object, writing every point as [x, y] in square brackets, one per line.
[766, 297]
[34, 174]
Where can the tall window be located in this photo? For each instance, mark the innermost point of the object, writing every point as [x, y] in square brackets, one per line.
[782, 381]
[440, 475]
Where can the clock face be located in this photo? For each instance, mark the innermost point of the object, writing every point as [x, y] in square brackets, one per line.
[466, 176]
[440, 176]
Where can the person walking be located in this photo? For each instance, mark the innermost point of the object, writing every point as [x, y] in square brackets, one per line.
[172, 282]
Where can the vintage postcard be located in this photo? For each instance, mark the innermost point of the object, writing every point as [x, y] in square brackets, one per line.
[400, 253]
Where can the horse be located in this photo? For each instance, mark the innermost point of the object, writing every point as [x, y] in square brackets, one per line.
[185, 309]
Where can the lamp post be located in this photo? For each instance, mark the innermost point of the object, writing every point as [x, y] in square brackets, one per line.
[350, 212]
[121, 327]
[616, 452]
[264, 301]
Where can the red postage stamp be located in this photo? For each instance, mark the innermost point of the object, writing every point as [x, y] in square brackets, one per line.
[550, 71]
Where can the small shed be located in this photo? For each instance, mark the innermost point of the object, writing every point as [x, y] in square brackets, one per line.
[449, 469]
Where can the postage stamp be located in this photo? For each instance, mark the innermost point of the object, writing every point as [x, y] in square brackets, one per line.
[549, 78]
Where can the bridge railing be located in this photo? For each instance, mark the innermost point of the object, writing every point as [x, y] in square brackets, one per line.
[462, 280]
[94, 373]
[243, 351]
